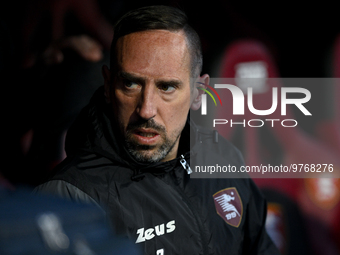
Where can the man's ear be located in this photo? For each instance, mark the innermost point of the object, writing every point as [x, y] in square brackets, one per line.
[107, 82]
[197, 93]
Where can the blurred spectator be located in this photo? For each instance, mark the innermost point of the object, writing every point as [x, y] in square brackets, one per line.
[78, 25]
[48, 225]
[64, 45]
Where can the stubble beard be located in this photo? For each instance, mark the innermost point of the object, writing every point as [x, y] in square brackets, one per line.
[147, 153]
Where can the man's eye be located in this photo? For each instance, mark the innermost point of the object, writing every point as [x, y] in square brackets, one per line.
[130, 84]
[166, 88]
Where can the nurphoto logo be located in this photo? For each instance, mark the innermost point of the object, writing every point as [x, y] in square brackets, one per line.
[238, 104]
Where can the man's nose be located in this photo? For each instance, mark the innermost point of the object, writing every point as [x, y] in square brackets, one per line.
[147, 107]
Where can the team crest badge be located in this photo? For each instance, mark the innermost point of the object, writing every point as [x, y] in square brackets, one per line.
[229, 206]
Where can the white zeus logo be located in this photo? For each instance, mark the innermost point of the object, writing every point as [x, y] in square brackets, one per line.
[159, 230]
[238, 100]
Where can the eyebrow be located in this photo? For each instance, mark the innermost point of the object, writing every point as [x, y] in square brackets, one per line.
[141, 80]
[130, 77]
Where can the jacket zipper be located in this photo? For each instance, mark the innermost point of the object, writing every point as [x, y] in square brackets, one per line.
[185, 165]
[199, 223]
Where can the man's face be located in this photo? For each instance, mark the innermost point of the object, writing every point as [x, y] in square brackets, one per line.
[150, 94]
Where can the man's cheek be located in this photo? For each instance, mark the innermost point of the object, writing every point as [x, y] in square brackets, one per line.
[125, 108]
[184, 107]
[180, 114]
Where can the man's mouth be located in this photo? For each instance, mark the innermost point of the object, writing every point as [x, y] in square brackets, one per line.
[146, 136]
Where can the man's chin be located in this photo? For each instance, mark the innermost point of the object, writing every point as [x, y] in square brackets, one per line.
[146, 153]
[147, 156]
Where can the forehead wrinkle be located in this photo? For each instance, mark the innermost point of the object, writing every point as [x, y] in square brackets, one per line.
[151, 48]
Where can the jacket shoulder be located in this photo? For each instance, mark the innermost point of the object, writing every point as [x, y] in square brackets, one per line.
[65, 190]
[211, 151]
[84, 177]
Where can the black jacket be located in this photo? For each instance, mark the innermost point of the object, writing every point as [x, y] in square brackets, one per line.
[159, 206]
